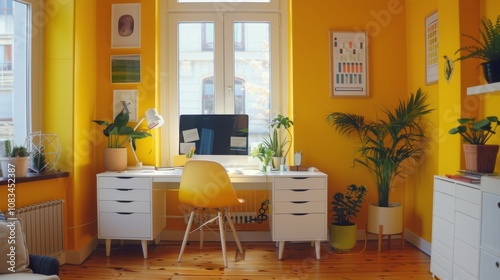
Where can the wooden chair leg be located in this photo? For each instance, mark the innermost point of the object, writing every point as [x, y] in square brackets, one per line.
[186, 235]
[222, 237]
[202, 220]
[235, 235]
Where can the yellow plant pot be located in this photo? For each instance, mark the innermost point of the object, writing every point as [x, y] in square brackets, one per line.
[343, 238]
[115, 159]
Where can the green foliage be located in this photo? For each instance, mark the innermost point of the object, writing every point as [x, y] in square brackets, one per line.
[38, 161]
[14, 151]
[347, 206]
[276, 141]
[119, 132]
[477, 133]
[263, 153]
[385, 145]
[489, 48]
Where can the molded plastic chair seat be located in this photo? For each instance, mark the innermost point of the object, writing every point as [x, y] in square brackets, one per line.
[206, 184]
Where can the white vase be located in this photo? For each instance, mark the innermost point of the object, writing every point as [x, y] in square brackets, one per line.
[18, 166]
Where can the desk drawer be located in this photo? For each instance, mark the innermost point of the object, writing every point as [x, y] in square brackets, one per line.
[124, 194]
[290, 183]
[299, 195]
[124, 183]
[299, 207]
[308, 227]
[124, 206]
[124, 225]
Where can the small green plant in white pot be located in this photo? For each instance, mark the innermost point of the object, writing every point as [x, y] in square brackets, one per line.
[345, 207]
[14, 160]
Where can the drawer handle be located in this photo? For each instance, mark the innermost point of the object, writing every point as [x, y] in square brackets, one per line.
[126, 178]
[299, 178]
[124, 190]
[498, 205]
[299, 202]
[124, 201]
[299, 214]
[300, 190]
[497, 264]
[124, 213]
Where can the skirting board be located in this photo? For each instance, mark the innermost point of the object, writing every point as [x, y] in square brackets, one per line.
[78, 257]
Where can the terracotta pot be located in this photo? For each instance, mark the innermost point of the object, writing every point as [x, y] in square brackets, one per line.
[343, 238]
[115, 159]
[390, 218]
[480, 158]
[14, 165]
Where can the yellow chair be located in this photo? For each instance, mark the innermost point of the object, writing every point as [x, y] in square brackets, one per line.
[206, 185]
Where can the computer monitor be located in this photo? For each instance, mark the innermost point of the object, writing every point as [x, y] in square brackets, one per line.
[214, 134]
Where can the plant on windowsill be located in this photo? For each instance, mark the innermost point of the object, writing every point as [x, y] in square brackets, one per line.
[277, 140]
[14, 160]
[487, 50]
[119, 134]
[345, 207]
[479, 157]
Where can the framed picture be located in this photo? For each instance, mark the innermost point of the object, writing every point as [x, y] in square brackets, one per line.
[125, 100]
[126, 25]
[431, 48]
[125, 69]
[349, 64]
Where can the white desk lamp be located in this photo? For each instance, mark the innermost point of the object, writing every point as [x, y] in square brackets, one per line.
[154, 120]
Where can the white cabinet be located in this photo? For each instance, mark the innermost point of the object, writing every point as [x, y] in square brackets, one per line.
[299, 209]
[129, 208]
[455, 229]
[490, 229]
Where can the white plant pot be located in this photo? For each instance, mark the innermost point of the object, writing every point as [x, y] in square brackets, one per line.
[18, 166]
[390, 218]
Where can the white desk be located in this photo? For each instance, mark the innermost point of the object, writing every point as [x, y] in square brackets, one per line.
[131, 206]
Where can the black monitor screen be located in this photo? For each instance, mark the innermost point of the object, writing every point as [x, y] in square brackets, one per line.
[214, 134]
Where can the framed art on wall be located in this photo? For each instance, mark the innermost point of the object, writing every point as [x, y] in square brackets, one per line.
[431, 48]
[125, 69]
[126, 25]
[125, 100]
[348, 64]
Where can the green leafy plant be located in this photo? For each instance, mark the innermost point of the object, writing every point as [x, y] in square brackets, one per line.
[346, 206]
[14, 151]
[477, 133]
[385, 145]
[263, 153]
[119, 133]
[38, 160]
[276, 140]
[489, 48]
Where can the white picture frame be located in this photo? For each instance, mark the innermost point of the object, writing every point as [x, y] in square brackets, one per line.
[431, 48]
[125, 69]
[126, 99]
[126, 25]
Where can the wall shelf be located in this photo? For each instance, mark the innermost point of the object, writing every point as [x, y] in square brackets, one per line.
[483, 88]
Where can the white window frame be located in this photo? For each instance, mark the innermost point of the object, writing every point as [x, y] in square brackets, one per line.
[170, 13]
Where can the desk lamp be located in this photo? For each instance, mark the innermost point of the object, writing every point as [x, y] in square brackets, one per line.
[154, 120]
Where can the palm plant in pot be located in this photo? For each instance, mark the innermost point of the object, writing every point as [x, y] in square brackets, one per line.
[487, 49]
[119, 133]
[277, 140]
[345, 207]
[14, 160]
[479, 157]
[385, 146]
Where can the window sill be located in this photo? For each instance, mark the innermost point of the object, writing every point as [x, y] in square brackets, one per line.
[35, 177]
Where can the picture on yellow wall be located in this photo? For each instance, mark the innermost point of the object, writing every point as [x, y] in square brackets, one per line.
[125, 69]
[349, 64]
[125, 100]
[126, 25]
[431, 48]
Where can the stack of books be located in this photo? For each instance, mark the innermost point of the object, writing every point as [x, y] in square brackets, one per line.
[469, 176]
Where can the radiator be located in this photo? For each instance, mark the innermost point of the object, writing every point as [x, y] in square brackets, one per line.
[43, 227]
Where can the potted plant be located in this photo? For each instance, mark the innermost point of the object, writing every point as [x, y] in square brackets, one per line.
[345, 207]
[384, 147]
[264, 154]
[119, 133]
[487, 50]
[277, 140]
[14, 159]
[38, 161]
[479, 157]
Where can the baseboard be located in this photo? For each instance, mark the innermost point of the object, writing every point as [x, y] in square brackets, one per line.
[178, 235]
[78, 257]
[418, 242]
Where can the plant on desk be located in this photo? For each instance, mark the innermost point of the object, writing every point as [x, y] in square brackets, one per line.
[264, 154]
[345, 207]
[277, 140]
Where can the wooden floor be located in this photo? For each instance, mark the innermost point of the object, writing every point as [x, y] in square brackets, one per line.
[259, 262]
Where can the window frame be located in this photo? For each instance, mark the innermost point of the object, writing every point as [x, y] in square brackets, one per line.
[170, 12]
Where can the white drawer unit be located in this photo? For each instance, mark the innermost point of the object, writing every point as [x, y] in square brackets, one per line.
[126, 209]
[490, 229]
[299, 210]
[455, 229]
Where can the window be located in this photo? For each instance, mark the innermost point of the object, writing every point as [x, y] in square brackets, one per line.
[224, 62]
[19, 76]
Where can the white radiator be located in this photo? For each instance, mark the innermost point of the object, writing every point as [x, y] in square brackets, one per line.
[43, 227]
